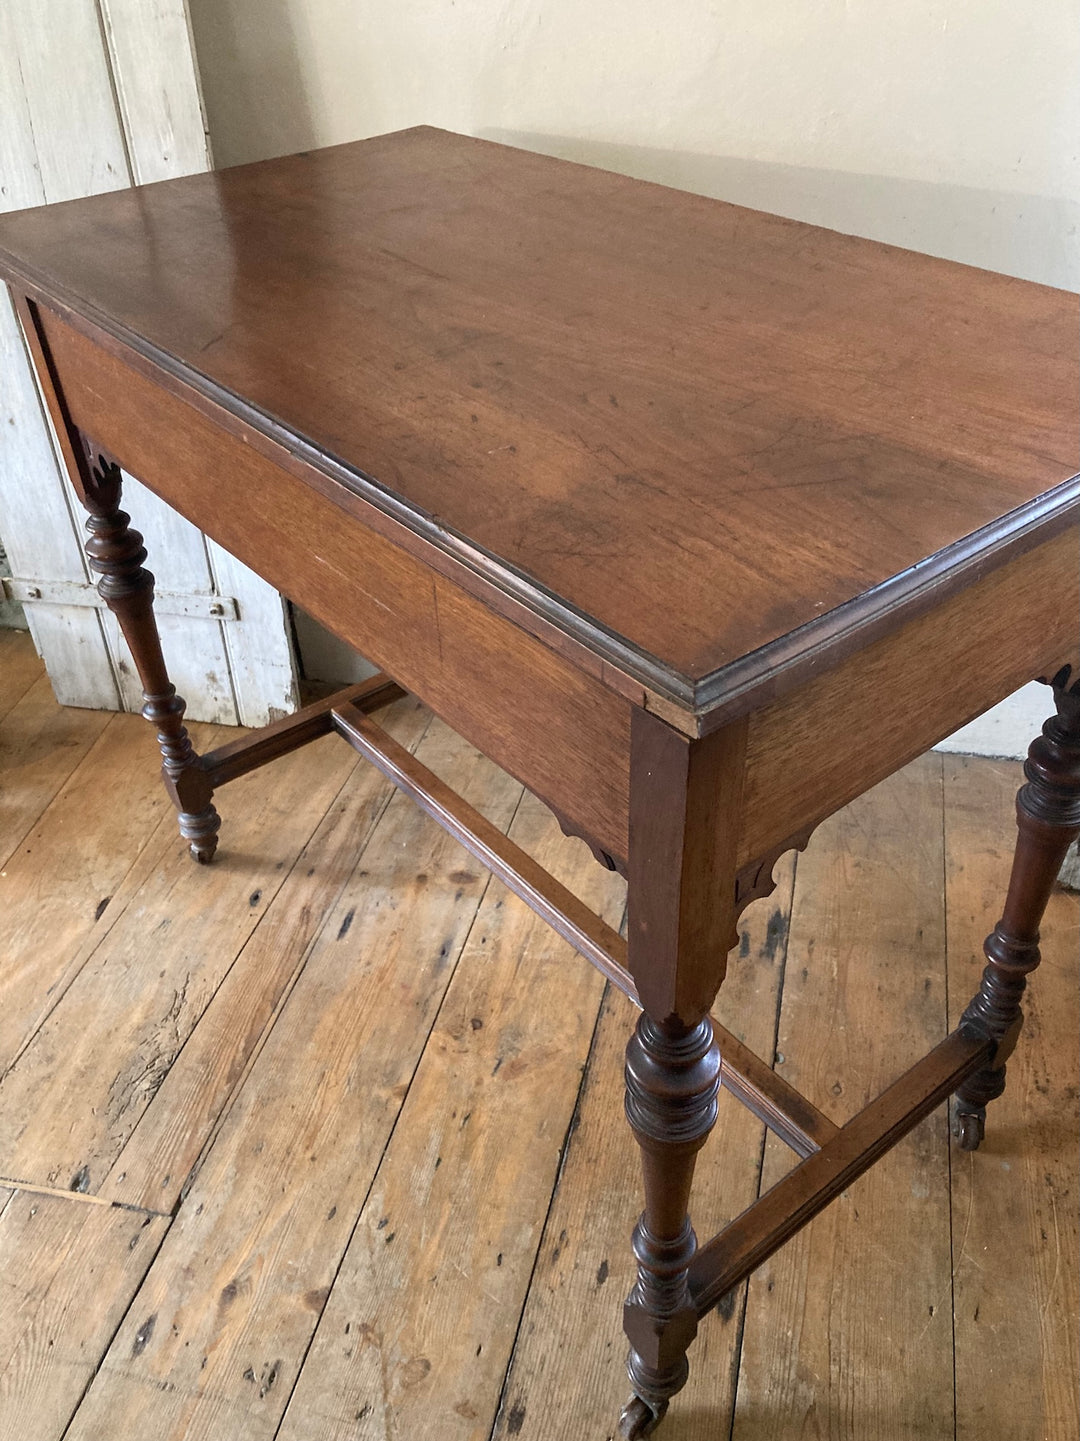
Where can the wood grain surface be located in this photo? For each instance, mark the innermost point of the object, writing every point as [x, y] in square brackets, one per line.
[147, 989]
[42, 743]
[342, 1029]
[567, 1379]
[539, 714]
[159, 1157]
[229, 1340]
[493, 1098]
[65, 879]
[842, 732]
[1015, 1203]
[844, 1320]
[19, 668]
[69, 1272]
[680, 424]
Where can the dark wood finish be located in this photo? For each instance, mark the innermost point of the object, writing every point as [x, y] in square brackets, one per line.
[1048, 821]
[684, 807]
[685, 803]
[754, 882]
[116, 554]
[697, 570]
[902, 417]
[672, 1081]
[605, 858]
[554, 726]
[755, 1084]
[764, 1227]
[786, 1112]
[752, 1082]
[586, 932]
[247, 753]
[570, 740]
[828, 742]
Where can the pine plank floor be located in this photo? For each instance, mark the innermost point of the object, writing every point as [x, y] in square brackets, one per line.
[325, 1142]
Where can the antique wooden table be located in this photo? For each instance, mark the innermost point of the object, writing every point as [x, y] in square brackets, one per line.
[698, 521]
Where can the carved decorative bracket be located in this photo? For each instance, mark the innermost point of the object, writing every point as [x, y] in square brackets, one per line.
[606, 859]
[102, 482]
[1065, 682]
[755, 881]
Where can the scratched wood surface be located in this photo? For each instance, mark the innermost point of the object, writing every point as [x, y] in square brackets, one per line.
[70, 1270]
[1016, 1305]
[478, 358]
[19, 667]
[281, 1086]
[844, 1320]
[42, 744]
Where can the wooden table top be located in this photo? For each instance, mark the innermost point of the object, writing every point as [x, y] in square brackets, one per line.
[703, 440]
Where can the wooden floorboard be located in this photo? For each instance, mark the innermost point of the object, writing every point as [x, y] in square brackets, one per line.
[179, 1123]
[247, 1269]
[20, 667]
[147, 985]
[844, 1322]
[68, 1272]
[1015, 1253]
[416, 1336]
[567, 1378]
[385, 1106]
[104, 834]
[41, 743]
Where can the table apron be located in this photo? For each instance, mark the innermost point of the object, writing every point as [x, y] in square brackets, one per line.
[557, 729]
[551, 724]
[819, 747]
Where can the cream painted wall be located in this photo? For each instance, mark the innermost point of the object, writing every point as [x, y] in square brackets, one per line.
[950, 126]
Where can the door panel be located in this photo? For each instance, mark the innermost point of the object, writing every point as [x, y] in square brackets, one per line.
[94, 97]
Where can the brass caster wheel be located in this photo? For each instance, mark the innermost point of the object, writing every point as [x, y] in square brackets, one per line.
[969, 1128]
[640, 1418]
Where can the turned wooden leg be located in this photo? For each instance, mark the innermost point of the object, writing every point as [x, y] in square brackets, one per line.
[685, 796]
[672, 1081]
[116, 554]
[1048, 820]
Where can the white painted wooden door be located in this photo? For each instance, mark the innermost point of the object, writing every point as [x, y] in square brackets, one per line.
[95, 95]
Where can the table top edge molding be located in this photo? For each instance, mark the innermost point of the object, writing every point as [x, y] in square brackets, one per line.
[769, 673]
[696, 705]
